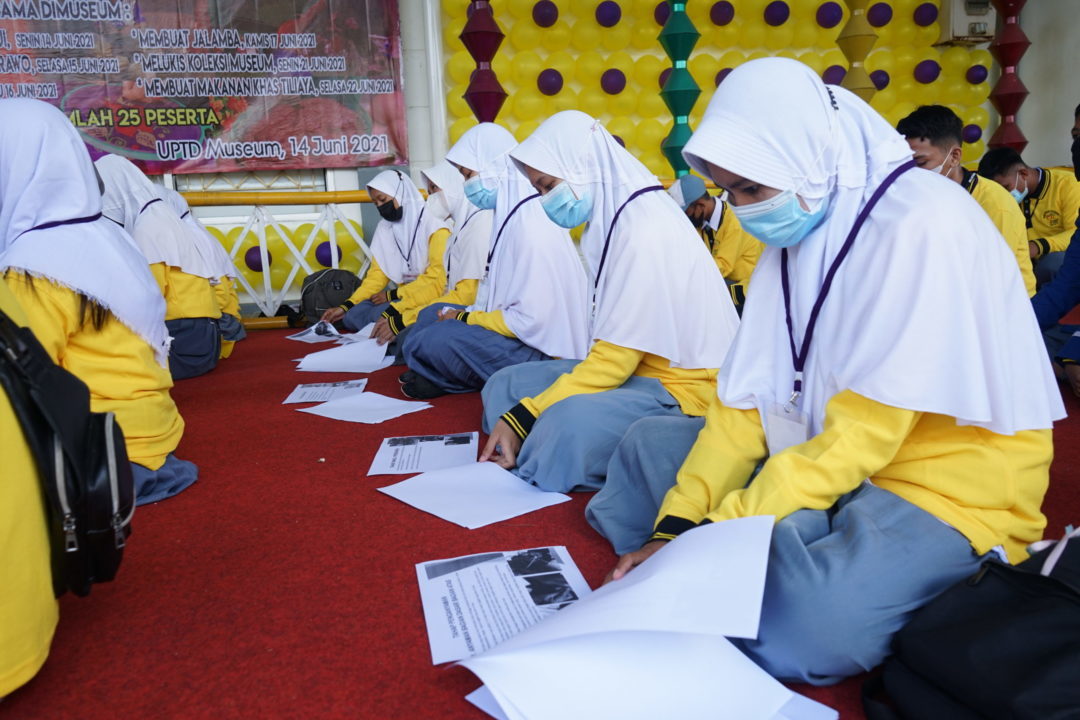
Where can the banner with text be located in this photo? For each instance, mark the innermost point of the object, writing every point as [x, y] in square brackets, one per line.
[190, 86]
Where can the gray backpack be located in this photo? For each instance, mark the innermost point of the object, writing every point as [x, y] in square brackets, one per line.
[325, 289]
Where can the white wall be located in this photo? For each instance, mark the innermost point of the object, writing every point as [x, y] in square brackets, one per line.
[425, 97]
[1051, 71]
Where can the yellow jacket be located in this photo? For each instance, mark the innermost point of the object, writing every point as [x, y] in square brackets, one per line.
[1008, 218]
[989, 487]
[186, 295]
[116, 364]
[735, 251]
[28, 609]
[608, 366]
[1051, 208]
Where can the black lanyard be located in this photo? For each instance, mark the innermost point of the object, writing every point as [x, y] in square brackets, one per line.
[412, 243]
[798, 357]
[611, 229]
[457, 235]
[498, 235]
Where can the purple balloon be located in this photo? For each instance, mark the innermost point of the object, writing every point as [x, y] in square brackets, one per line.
[722, 13]
[927, 71]
[608, 13]
[977, 74]
[661, 13]
[880, 78]
[834, 74]
[618, 139]
[879, 14]
[664, 75]
[549, 81]
[253, 259]
[925, 14]
[721, 75]
[972, 133]
[829, 14]
[613, 81]
[544, 13]
[324, 253]
[777, 13]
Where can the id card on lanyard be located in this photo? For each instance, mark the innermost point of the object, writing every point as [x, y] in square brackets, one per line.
[785, 423]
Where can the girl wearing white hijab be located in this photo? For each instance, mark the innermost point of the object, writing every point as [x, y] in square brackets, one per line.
[407, 250]
[531, 303]
[232, 330]
[652, 353]
[86, 289]
[464, 258]
[183, 265]
[892, 470]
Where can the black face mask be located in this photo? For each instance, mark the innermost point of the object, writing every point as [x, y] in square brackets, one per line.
[389, 212]
[1076, 156]
[698, 220]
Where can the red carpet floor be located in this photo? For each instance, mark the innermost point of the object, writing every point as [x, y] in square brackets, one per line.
[282, 585]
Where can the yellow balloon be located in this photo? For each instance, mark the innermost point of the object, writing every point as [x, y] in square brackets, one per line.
[704, 68]
[455, 102]
[972, 152]
[955, 61]
[928, 35]
[524, 36]
[647, 69]
[804, 35]
[884, 99]
[528, 106]
[650, 104]
[593, 101]
[556, 37]
[648, 136]
[451, 31]
[460, 67]
[732, 59]
[566, 99]
[904, 34]
[977, 94]
[623, 104]
[590, 66]
[644, 35]
[526, 66]
[780, 38]
[752, 34]
[982, 57]
[976, 116]
[520, 9]
[526, 129]
[585, 35]
[621, 61]
[616, 38]
[881, 60]
[562, 61]
[624, 127]
[459, 126]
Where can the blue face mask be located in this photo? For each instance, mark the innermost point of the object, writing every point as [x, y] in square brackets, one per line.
[479, 195]
[565, 207]
[1017, 195]
[779, 221]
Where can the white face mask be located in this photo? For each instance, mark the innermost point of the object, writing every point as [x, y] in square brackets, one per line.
[436, 204]
[940, 167]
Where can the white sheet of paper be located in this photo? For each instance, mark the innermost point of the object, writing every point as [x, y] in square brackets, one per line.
[472, 496]
[317, 333]
[366, 407]
[482, 698]
[473, 603]
[361, 357]
[662, 626]
[423, 453]
[322, 392]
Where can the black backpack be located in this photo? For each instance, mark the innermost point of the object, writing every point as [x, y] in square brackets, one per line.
[81, 460]
[1001, 645]
[324, 290]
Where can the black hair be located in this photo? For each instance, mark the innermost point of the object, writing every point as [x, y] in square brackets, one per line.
[936, 124]
[999, 161]
[89, 311]
[1076, 112]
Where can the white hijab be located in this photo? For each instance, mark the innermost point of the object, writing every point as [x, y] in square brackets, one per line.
[955, 336]
[658, 289]
[401, 248]
[466, 251]
[535, 275]
[200, 235]
[49, 200]
[132, 200]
